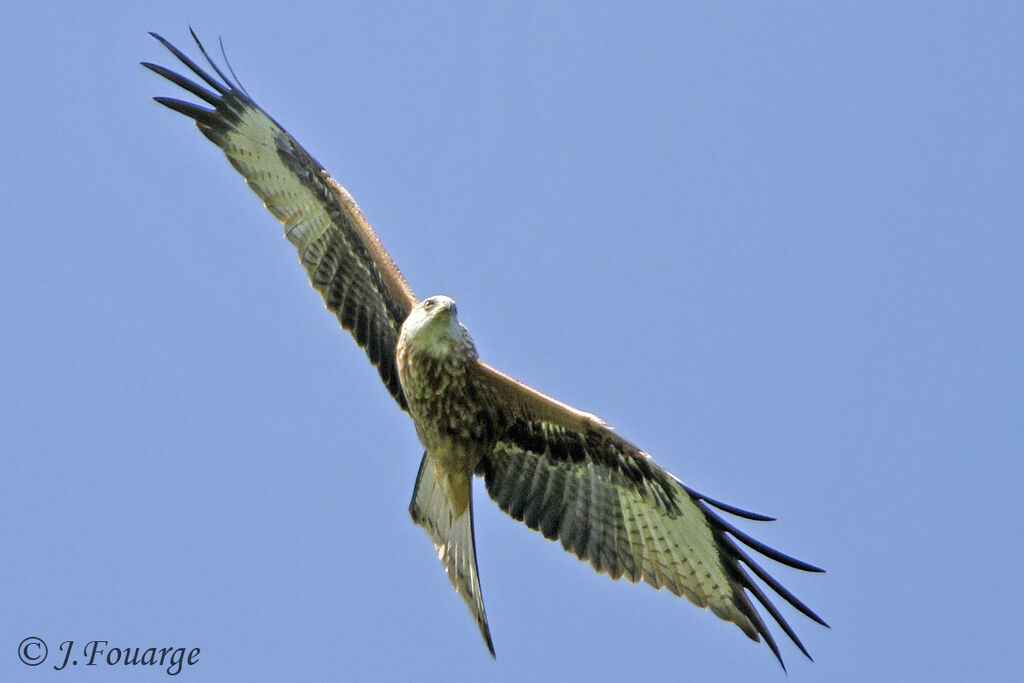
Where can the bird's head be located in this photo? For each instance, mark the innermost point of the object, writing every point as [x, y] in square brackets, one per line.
[432, 326]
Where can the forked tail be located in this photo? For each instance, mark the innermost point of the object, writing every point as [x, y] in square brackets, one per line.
[453, 537]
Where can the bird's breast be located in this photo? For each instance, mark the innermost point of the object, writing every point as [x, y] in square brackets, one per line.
[452, 408]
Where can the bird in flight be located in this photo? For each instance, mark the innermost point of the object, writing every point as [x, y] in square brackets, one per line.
[559, 470]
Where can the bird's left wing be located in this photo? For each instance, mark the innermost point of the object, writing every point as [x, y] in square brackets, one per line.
[566, 474]
[345, 260]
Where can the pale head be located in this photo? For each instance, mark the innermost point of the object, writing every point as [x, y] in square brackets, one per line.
[432, 326]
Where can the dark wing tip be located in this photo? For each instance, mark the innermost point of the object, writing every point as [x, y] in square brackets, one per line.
[223, 87]
[227, 103]
[732, 509]
[166, 43]
[734, 557]
[199, 114]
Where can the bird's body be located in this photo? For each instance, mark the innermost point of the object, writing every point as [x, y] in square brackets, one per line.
[559, 470]
[457, 421]
[451, 408]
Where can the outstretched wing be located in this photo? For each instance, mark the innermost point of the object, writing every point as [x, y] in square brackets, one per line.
[346, 262]
[569, 476]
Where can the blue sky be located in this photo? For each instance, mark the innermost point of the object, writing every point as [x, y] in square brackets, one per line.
[778, 247]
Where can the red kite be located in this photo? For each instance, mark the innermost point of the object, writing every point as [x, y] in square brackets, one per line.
[561, 471]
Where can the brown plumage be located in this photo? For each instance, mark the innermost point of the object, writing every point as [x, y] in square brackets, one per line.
[560, 471]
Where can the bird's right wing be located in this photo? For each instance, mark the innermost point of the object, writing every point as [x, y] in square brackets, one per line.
[346, 262]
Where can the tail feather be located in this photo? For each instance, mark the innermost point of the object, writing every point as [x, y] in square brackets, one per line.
[453, 538]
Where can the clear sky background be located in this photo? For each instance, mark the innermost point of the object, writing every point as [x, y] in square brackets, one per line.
[778, 246]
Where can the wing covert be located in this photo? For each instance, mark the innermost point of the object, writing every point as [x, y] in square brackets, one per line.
[344, 258]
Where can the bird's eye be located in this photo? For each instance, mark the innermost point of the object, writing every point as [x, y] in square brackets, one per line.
[428, 304]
